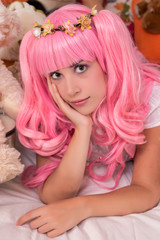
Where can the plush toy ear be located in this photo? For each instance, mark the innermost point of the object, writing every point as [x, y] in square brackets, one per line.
[140, 8]
[158, 7]
[151, 22]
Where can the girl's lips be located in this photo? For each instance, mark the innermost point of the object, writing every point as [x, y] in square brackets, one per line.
[80, 102]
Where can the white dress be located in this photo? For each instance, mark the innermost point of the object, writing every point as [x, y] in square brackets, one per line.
[15, 200]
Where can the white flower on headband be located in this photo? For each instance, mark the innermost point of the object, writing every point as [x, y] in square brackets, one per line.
[37, 32]
[94, 11]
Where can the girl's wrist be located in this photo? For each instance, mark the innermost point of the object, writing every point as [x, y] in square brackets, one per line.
[83, 133]
[86, 126]
[83, 202]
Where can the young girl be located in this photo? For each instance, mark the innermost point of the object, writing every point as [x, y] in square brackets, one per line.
[90, 98]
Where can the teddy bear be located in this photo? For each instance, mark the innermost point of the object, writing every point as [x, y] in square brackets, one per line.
[147, 30]
[149, 11]
[11, 95]
[15, 20]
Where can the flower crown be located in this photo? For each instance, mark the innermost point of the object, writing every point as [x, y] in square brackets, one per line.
[67, 27]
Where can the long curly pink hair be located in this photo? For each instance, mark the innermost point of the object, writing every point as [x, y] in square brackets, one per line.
[118, 121]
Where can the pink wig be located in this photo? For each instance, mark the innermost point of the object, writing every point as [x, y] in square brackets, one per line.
[119, 120]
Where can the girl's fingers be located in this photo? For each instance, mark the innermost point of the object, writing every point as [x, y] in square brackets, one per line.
[54, 233]
[46, 228]
[54, 92]
[75, 117]
[64, 107]
[38, 223]
[33, 214]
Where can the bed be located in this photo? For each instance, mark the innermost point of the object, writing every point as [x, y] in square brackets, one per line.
[15, 200]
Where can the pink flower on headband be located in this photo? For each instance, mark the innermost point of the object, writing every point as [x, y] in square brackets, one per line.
[47, 28]
[69, 28]
[85, 22]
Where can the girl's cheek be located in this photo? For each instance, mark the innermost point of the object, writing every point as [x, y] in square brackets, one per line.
[60, 90]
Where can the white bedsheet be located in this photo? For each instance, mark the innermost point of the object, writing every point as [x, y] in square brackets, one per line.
[15, 200]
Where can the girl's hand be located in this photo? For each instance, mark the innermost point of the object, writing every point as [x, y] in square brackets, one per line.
[75, 117]
[56, 218]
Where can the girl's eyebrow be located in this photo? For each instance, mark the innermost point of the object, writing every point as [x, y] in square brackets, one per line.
[71, 66]
[74, 64]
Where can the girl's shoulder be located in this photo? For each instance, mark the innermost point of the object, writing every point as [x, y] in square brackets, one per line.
[153, 117]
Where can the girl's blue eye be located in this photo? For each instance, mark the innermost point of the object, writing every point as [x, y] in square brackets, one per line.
[55, 75]
[81, 68]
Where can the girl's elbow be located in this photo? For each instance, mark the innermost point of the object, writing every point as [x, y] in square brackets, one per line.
[46, 197]
[154, 197]
[42, 195]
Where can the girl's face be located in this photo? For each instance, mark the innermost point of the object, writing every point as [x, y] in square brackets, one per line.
[82, 85]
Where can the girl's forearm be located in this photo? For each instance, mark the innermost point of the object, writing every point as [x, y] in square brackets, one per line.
[127, 200]
[65, 181]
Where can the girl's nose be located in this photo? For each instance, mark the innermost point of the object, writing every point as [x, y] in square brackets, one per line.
[72, 87]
